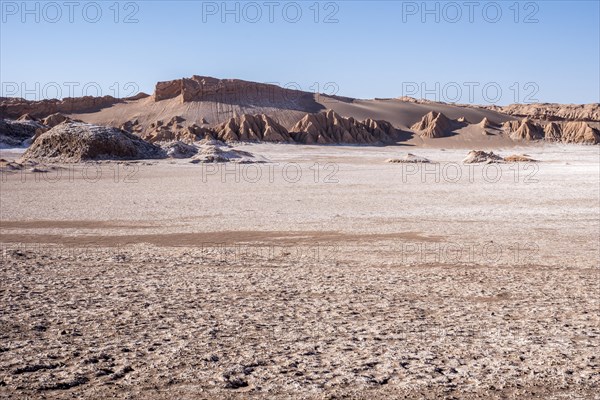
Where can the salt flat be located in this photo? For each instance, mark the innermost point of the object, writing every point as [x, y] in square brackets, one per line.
[326, 272]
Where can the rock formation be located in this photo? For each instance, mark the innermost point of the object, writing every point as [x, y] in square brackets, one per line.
[236, 91]
[579, 132]
[487, 124]
[519, 158]
[488, 127]
[179, 149]
[434, 125]
[322, 128]
[20, 132]
[409, 159]
[75, 142]
[15, 107]
[553, 132]
[54, 119]
[553, 112]
[172, 130]
[329, 127]
[477, 157]
[524, 130]
[216, 152]
[567, 132]
[26, 117]
[252, 128]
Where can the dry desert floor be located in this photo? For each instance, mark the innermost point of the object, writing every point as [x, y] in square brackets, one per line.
[324, 273]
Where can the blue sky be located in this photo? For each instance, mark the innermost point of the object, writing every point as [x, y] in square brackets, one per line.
[491, 52]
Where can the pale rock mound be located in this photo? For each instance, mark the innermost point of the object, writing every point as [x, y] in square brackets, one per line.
[75, 142]
[211, 142]
[211, 153]
[179, 150]
[478, 157]
[252, 128]
[519, 158]
[433, 125]
[579, 132]
[328, 127]
[409, 159]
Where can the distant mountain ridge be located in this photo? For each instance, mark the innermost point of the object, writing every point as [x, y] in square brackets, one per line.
[238, 110]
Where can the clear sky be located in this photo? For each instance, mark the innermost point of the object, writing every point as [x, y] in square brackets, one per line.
[465, 51]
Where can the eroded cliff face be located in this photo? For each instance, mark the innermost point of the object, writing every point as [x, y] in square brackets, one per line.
[567, 132]
[252, 128]
[329, 127]
[15, 107]
[202, 88]
[553, 112]
[579, 132]
[319, 128]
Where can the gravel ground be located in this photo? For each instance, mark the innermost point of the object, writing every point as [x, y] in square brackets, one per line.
[380, 284]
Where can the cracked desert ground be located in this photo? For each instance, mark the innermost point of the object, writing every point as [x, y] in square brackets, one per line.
[331, 274]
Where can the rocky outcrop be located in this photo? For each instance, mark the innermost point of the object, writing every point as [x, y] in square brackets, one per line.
[132, 126]
[487, 124]
[434, 125]
[19, 133]
[478, 157]
[579, 132]
[329, 127]
[75, 142]
[482, 157]
[218, 152]
[322, 128]
[173, 130]
[528, 130]
[518, 158]
[252, 128]
[553, 132]
[15, 107]
[553, 112]
[26, 117]
[231, 91]
[488, 127]
[179, 149]
[54, 119]
[567, 132]
[511, 126]
[409, 159]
